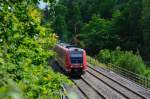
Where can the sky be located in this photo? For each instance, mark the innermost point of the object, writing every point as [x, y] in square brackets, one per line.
[42, 5]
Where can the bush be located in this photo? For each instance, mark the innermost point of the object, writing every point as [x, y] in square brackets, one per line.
[131, 62]
[124, 59]
[104, 56]
[24, 43]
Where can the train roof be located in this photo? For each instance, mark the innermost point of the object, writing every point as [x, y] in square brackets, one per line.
[70, 47]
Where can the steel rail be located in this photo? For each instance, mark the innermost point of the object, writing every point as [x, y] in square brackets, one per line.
[144, 97]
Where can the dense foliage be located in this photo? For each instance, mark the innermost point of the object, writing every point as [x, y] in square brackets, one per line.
[98, 30]
[24, 54]
[26, 40]
[124, 59]
[106, 23]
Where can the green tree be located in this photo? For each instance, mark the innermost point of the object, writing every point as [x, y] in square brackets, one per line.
[73, 18]
[124, 15]
[59, 23]
[146, 27]
[129, 26]
[24, 53]
[97, 34]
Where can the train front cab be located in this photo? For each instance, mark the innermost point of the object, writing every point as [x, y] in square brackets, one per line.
[77, 58]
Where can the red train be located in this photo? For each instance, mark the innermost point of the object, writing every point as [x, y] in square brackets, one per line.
[71, 58]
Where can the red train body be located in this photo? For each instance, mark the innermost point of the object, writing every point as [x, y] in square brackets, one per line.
[72, 59]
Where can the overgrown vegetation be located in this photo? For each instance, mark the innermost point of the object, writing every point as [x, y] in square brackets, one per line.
[24, 43]
[124, 59]
[93, 25]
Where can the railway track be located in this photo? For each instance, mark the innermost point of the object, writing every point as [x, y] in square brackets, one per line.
[95, 84]
[118, 87]
[87, 90]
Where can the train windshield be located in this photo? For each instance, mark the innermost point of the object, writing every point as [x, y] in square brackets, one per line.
[76, 57]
